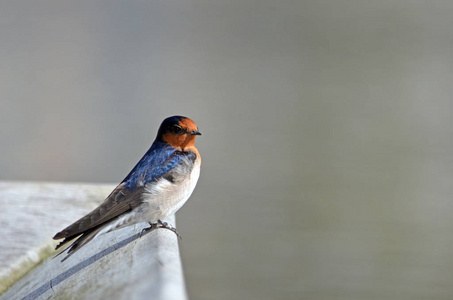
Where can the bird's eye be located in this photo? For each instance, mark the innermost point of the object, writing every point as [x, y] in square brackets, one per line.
[177, 129]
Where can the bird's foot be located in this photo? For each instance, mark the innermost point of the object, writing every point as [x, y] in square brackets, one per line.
[169, 227]
[151, 227]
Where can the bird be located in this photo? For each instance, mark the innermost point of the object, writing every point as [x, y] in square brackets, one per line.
[158, 186]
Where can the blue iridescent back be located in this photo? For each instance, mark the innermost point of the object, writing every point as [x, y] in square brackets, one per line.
[157, 161]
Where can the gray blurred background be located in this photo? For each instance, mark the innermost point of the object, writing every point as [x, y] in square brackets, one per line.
[327, 131]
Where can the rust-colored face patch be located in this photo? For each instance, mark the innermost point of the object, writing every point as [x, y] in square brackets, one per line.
[188, 124]
[182, 141]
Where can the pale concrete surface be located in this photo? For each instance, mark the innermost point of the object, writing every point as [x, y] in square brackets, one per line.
[117, 265]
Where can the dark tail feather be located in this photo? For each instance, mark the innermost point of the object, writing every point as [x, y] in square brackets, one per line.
[79, 242]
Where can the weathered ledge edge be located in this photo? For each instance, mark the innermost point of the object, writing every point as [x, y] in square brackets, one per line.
[23, 265]
[151, 261]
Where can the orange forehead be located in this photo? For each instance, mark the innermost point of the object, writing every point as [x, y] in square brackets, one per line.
[188, 124]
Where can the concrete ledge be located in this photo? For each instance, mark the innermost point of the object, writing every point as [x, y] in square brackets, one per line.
[117, 265]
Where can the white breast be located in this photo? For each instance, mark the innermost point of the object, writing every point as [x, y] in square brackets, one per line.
[164, 198]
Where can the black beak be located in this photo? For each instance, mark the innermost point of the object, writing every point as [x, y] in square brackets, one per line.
[195, 132]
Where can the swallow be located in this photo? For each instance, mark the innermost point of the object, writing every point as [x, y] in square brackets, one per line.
[157, 187]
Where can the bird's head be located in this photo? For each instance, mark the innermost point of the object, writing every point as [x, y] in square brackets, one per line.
[179, 132]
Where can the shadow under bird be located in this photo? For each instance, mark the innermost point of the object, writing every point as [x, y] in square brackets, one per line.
[157, 187]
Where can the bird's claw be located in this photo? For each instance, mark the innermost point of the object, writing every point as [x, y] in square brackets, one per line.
[165, 225]
[152, 226]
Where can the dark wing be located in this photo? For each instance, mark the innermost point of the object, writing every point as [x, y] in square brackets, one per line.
[117, 203]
